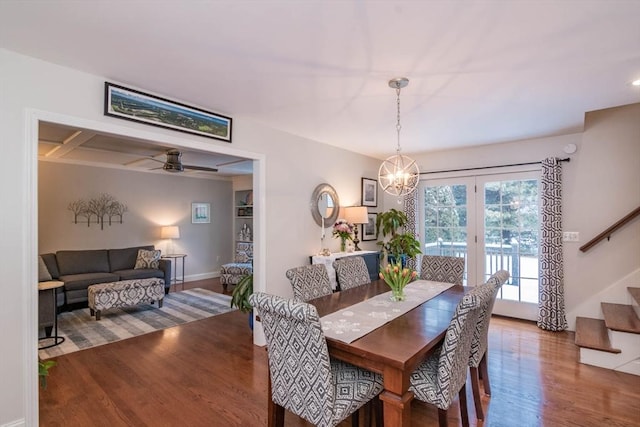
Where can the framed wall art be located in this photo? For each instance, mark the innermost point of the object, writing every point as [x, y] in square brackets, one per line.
[200, 213]
[369, 229]
[130, 104]
[369, 192]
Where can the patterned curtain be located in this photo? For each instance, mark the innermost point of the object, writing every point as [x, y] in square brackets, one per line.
[551, 313]
[410, 209]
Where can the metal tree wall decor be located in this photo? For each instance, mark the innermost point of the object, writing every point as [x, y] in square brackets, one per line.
[103, 208]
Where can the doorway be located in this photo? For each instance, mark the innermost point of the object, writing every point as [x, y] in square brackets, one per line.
[34, 118]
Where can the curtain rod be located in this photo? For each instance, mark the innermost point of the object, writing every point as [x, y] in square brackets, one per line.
[568, 159]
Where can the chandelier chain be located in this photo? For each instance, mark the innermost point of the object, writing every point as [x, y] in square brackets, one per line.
[398, 126]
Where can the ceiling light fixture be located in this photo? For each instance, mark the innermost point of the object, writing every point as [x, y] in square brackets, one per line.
[636, 82]
[399, 174]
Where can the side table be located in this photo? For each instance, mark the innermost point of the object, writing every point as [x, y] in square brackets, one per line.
[176, 279]
[52, 286]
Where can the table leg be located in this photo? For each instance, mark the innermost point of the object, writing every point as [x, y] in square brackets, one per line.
[396, 399]
[57, 340]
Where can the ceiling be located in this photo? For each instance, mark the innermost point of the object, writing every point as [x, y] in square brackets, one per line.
[480, 71]
[60, 143]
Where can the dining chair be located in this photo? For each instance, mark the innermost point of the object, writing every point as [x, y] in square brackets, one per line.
[479, 344]
[442, 269]
[351, 271]
[309, 282]
[443, 373]
[304, 379]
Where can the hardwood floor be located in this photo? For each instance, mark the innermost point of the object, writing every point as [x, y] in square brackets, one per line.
[208, 373]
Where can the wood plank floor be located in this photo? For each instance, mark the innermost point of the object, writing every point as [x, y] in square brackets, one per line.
[208, 373]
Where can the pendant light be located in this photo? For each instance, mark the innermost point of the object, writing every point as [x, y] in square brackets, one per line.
[398, 175]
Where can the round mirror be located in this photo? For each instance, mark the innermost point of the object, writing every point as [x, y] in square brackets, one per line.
[325, 205]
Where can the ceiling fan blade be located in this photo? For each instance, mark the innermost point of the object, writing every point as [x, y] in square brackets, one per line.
[200, 168]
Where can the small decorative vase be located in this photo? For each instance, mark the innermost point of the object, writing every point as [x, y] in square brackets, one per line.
[343, 244]
[397, 294]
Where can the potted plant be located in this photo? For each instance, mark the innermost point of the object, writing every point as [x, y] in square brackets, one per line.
[240, 296]
[399, 245]
[43, 371]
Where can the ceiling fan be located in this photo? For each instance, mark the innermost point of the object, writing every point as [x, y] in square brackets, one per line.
[174, 163]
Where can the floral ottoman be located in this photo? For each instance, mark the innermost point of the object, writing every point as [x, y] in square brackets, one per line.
[125, 293]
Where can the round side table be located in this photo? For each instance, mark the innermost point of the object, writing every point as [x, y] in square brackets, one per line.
[55, 339]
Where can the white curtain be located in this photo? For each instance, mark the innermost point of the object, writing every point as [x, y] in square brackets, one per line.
[551, 311]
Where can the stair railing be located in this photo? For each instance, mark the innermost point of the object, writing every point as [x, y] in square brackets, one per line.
[607, 233]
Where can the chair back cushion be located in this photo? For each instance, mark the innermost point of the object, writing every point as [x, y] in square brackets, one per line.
[351, 271]
[442, 269]
[487, 292]
[309, 282]
[299, 363]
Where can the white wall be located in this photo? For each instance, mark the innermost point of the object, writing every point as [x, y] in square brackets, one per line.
[293, 167]
[152, 199]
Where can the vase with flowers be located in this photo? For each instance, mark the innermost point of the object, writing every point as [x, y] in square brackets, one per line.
[343, 230]
[397, 278]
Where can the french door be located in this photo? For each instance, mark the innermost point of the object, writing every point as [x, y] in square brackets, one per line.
[492, 221]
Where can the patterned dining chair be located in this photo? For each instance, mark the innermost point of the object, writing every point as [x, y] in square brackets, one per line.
[351, 271]
[443, 374]
[309, 282]
[479, 344]
[304, 379]
[442, 269]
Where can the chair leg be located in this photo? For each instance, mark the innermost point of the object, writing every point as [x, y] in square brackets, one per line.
[442, 418]
[378, 407]
[355, 418]
[462, 397]
[475, 386]
[484, 373]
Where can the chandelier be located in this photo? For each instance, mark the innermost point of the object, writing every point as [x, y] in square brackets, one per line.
[398, 175]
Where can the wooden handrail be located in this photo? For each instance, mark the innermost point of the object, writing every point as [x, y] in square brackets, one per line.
[607, 233]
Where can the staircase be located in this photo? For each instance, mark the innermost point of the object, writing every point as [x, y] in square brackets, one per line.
[612, 343]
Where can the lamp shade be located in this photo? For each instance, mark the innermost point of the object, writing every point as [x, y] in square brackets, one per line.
[356, 214]
[170, 232]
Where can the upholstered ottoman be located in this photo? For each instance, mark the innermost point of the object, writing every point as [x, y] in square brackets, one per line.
[125, 293]
[230, 274]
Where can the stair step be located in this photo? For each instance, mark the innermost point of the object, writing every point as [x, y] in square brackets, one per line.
[620, 317]
[593, 333]
[635, 293]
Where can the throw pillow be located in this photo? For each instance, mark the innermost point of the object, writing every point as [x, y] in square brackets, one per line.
[43, 271]
[147, 259]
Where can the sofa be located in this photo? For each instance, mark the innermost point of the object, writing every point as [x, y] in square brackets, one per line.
[80, 269]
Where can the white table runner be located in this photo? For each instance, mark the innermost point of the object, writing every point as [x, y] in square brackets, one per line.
[351, 323]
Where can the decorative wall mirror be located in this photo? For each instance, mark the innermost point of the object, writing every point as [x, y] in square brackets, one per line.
[325, 205]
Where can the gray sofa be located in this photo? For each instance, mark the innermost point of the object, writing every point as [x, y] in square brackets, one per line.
[80, 269]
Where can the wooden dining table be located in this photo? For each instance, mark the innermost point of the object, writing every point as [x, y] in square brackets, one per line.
[396, 348]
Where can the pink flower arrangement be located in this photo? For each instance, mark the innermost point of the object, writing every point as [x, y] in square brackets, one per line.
[343, 229]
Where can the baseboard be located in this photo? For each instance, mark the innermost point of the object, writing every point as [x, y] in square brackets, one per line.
[16, 423]
[202, 276]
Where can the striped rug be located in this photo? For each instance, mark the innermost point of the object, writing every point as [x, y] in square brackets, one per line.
[82, 331]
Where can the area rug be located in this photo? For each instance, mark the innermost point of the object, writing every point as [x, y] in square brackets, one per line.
[82, 331]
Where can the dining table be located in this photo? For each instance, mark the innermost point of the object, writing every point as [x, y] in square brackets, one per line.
[397, 347]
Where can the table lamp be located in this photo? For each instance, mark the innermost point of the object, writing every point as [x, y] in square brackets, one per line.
[170, 232]
[356, 215]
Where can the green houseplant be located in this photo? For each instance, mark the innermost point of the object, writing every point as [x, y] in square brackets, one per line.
[241, 293]
[43, 370]
[398, 244]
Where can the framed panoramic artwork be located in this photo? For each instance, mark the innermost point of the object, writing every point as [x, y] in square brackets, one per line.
[200, 213]
[130, 104]
[369, 192]
[369, 229]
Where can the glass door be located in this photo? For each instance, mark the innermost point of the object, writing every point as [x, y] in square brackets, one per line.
[447, 220]
[493, 222]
